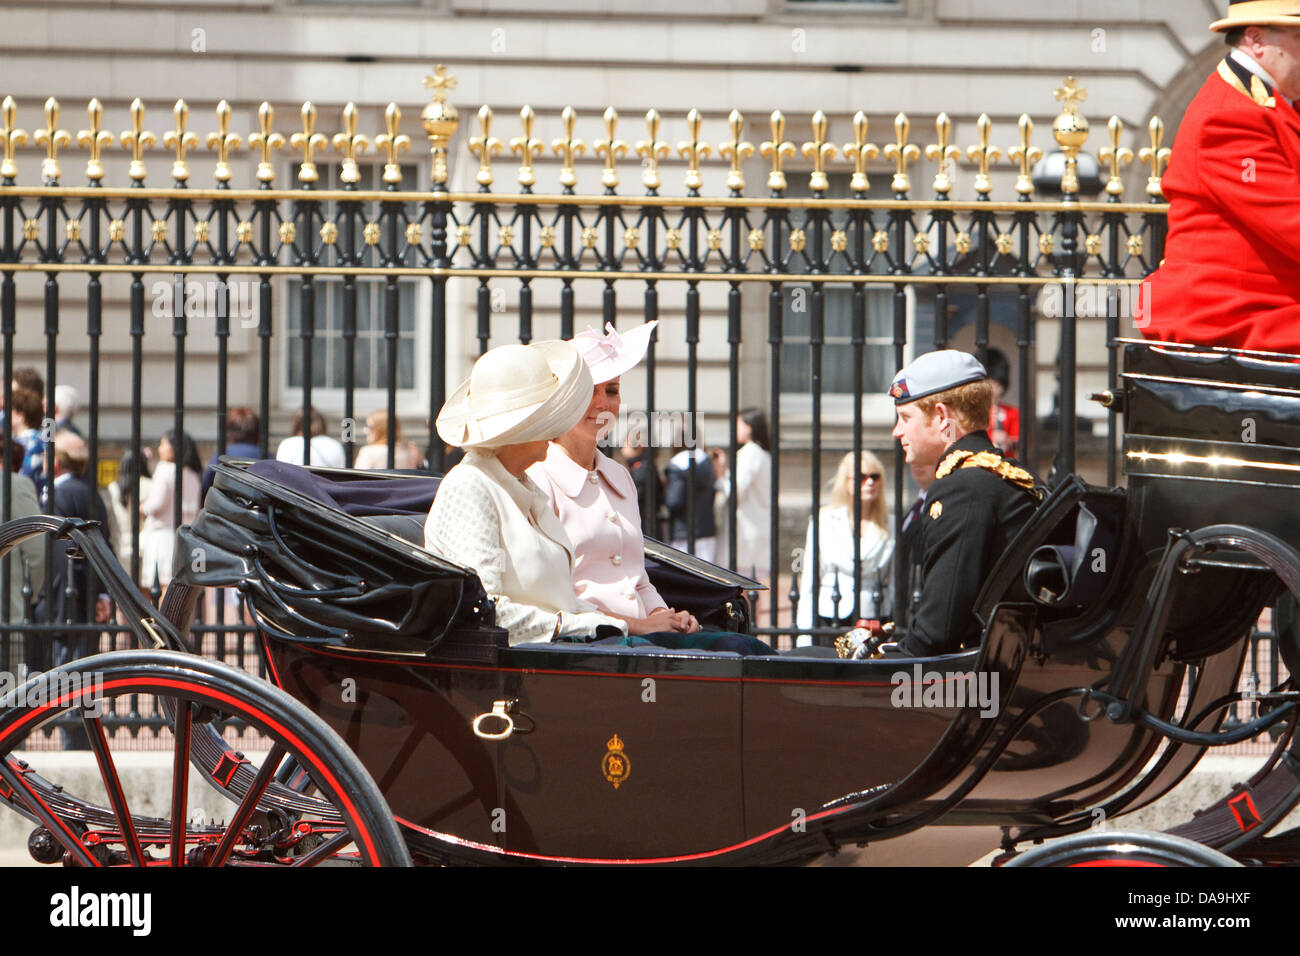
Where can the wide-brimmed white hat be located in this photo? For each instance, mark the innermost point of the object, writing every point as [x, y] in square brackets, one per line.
[610, 355]
[516, 394]
[1259, 13]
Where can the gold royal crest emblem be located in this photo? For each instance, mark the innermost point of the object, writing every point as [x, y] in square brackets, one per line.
[616, 766]
[936, 509]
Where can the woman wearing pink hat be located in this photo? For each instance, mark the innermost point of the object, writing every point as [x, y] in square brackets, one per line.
[596, 500]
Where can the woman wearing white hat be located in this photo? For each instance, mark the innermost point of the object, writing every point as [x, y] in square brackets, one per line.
[489, 515]
[596, 500]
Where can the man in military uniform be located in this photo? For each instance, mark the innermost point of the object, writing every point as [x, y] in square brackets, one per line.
[977, 504]
[1231, 273]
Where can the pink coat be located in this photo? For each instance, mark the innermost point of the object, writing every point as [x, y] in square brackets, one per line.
[600, 515]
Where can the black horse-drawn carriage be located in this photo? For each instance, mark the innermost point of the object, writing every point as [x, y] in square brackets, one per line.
[403, 727]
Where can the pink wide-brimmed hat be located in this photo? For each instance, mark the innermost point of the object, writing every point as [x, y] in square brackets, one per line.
[610, 355]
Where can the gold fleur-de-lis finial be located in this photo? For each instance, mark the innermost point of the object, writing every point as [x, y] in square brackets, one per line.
[1154, 156]
[983, 154]
[1025, 155]
[392, 142]
[902, 153]
[350, 143]
[441, 82]
[568, 148]
[526, 147]
[180, 140]
[652, 150]
[820, 152]
[860, 151]
[693, 150]
[265, 140]
[943, 154]
[737, 150]
[11, 137]
[1115, 156]
[778, 150]
[223, 141]
[307, 142]
[484, 145]
[137, 139]
[51, 137]
[95, 139]
[610, 148]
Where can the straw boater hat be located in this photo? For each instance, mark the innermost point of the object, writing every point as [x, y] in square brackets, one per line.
[1259, 13]
[610, 355]
[516, 394]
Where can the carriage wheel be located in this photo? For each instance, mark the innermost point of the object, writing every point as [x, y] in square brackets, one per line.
[344, 820]
[1122, 848]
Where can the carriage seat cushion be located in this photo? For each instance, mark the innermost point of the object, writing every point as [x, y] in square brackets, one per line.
[359, 497]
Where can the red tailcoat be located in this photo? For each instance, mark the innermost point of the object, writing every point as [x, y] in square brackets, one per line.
[1231, 274]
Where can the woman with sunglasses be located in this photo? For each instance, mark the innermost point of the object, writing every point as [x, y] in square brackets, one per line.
[835, 560]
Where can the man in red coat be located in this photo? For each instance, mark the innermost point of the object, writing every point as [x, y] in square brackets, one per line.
[1231, 273]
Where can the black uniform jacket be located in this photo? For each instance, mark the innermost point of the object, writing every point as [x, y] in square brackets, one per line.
[970, 516]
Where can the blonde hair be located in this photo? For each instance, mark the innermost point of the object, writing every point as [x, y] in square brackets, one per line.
[377, 421]
[970, 404]
[842, 492]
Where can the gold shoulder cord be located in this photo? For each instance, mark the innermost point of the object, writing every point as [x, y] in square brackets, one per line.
[989, 461]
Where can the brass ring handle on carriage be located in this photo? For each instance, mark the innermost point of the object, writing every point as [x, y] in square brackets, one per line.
[502, 710]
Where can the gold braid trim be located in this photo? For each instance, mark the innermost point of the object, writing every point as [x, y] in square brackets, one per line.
[1257, 92]
[989, 461]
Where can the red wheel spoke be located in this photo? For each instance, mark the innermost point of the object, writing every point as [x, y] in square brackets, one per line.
[180, 778]
[116, 797]
[70, 840]
[249, 804]
[328, 848]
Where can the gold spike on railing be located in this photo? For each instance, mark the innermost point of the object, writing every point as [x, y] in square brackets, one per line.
[736, 151]
[902, 153]
[778, 150]
[568, 148]
[1070, 129]
[693, 150]
[859, 151]
[51, 137]
[180, 140]
[440, 120]
[651, 150]
[983, 155]
[137, 139]
[484, 145]
[224, 142]
[350, 143]
[610, 148]
[943, 154]
[392, 142]
[1115, 156]
[307, 142]
[265, 140]
[820, 152]
[1154, 156]
[11, 137]
[526, 147]
[1025, 155]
